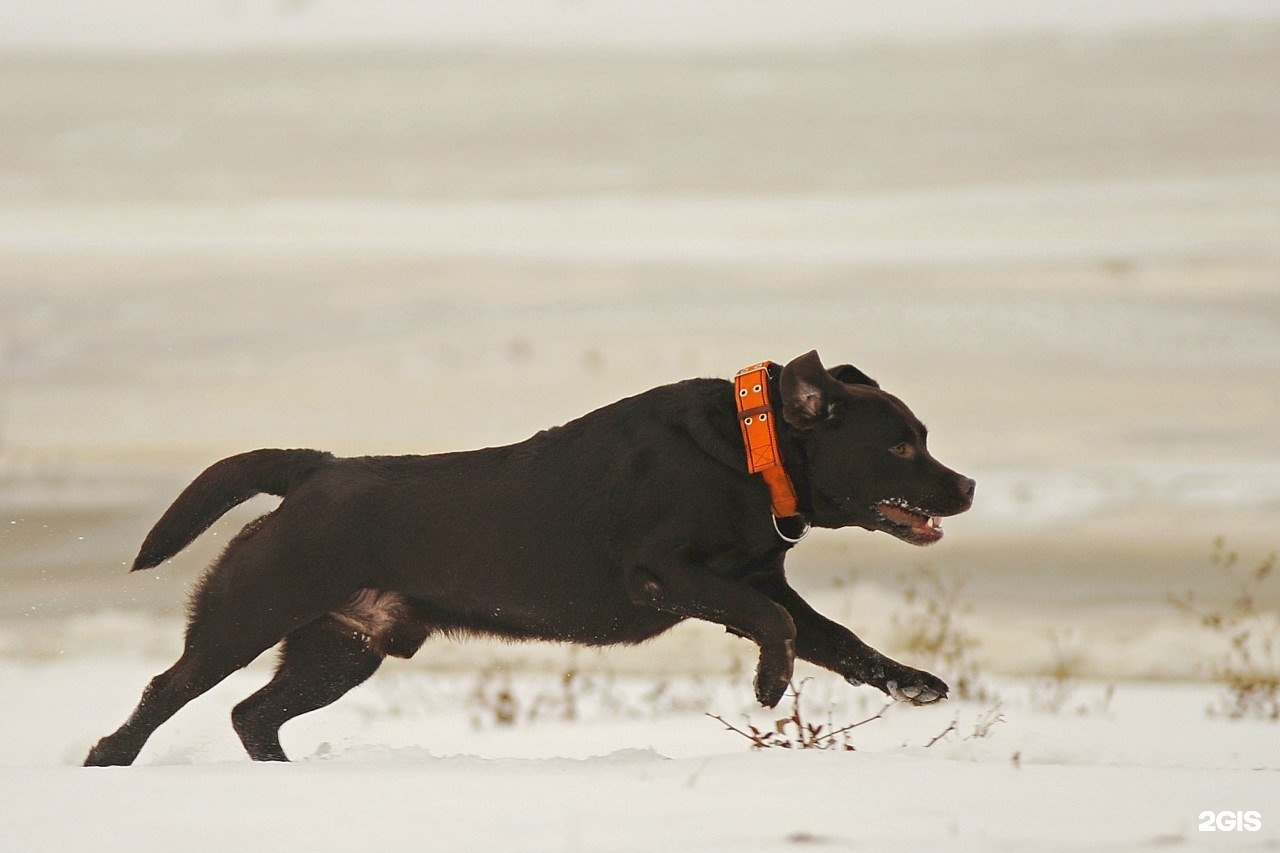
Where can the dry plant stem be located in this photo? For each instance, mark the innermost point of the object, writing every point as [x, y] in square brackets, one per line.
[794, 732]
[756, 737]
[986, 721]
[877, 715]
[940, 735]
[930, 628]
[1249, 669]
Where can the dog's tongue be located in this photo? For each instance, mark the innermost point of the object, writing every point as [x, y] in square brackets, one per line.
[917, 521]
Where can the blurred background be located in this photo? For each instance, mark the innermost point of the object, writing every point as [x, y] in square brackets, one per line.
[392, 226]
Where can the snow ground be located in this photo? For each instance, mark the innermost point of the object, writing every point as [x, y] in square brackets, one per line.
[399, 765]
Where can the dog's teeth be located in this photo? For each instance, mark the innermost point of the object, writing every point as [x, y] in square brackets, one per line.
[935, 522]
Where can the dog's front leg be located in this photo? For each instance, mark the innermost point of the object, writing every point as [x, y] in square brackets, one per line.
[676, 586]
[832, 646]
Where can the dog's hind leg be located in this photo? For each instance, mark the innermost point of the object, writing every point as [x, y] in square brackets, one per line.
[201, 666]
[319, 662]
[237, 613]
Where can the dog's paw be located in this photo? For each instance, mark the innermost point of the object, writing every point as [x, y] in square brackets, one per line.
[773, 674]
[108, 753]
[916, 687]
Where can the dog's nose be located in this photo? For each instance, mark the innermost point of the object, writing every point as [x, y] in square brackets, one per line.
[967, 485]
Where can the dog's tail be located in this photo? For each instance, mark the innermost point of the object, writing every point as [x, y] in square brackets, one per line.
[222, 486]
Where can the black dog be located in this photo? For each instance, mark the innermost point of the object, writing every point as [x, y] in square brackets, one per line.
[609, 529]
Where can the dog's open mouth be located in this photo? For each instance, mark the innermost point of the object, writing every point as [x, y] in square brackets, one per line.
[909, 523]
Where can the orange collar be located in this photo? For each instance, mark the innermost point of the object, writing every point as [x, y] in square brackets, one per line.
[760, 437]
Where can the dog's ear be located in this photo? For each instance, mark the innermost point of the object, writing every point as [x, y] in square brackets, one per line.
[807, 391]
[850, 375]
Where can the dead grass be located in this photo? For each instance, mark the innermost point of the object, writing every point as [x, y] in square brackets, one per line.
[1058, 691]
[930, 628]
[1249, 668]
[796, 731]
[496, 700]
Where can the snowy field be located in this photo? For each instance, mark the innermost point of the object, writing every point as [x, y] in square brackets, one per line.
[413, 760]
[394, 226]
[544, 748]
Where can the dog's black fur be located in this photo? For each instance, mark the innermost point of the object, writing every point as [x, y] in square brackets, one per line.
[609, 529]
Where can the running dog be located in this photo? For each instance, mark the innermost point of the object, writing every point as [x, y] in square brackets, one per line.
[680, 502]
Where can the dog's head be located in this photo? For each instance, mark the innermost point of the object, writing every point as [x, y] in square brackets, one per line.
[867, 463]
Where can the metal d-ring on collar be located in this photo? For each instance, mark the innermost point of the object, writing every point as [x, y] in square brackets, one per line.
[785, 537]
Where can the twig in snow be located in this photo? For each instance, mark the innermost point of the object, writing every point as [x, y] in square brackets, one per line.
[795, 732]
[948, 730]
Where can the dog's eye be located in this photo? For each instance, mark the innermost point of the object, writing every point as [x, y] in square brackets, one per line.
[906, 451]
